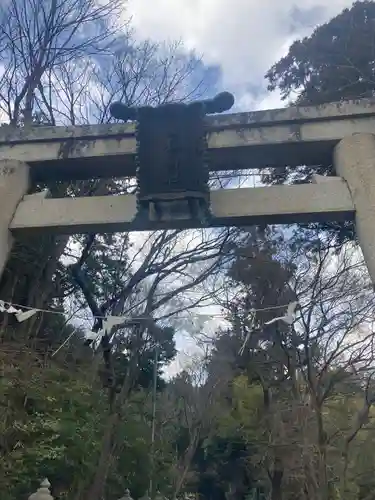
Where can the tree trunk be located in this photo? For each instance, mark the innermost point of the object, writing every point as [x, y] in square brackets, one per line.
[96, 489]
[276, 482]
[186, 464]
[322, 466]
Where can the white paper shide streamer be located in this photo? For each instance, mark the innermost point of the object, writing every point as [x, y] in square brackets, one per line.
[23, 313]
[20, 314]
[289, 317]
[108, 323]
[248, 335]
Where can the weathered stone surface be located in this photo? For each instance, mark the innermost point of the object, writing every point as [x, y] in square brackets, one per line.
[355, 162]
[290, 136]
[14, 183]
[230, 207]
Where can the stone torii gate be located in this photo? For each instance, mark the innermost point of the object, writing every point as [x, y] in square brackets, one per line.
[338, 133]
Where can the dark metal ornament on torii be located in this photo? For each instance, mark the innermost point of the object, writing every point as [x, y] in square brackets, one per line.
[171, 158]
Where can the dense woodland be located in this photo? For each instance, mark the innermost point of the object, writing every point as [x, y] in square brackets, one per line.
[263, 411]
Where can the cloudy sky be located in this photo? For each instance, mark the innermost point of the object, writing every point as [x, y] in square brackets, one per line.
[242, 37]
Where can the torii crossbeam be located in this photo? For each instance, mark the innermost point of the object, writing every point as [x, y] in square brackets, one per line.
[338, 133]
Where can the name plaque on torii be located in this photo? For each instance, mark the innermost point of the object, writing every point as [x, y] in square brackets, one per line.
[171, 158]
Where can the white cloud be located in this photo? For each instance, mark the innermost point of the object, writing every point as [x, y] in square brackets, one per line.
[243, 36]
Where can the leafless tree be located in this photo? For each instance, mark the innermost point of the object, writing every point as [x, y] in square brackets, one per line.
[165, 271]
[336, 353]
[307, 368]
[39, 36]
[62, 62]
